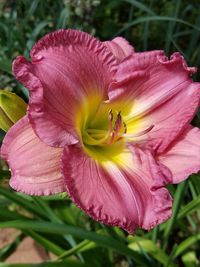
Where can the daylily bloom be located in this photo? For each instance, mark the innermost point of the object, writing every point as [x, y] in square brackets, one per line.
[106, 124]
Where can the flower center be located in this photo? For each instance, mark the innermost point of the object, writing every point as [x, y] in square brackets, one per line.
[101, 137]
[104, 130]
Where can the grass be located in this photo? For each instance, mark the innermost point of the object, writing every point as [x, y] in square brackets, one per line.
[54, 222]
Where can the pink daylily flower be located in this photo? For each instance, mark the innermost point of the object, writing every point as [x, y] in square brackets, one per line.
[106, 124]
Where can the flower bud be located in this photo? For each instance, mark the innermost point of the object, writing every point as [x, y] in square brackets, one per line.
[12, 108]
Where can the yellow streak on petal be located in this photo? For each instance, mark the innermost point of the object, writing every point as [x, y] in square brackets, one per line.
[105, 153]
[86, 112]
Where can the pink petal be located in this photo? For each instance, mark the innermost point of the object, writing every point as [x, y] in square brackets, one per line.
[35, 167]
[129, 194]
[183, 156]
[120, 48]
[172, 117]
[159, 92]
[66, 67]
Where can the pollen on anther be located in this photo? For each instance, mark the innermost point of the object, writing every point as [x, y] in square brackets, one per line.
[110, 115]
[125, 127]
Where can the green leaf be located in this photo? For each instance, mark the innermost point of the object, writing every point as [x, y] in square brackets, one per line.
[59, 229]
[180, 191]
[52, 217]
[7, 250]
[156, 18]
[190, 259]
[189, 208]
[171, 25]
[23, 201]
[63, 18]
[81, 247]
[47, 244]
[6, 214]
[6, 65]
[185, 244]
[66, 263]
[141, 6]
[40, 26]
[136, 243]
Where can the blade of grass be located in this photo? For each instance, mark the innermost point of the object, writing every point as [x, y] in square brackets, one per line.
[62, 20]
[156, 18]
[185, 244]
[194, 189]
[146, 9]
[154, 234]
[191, 207]
[181, 189]
[141, 6]
[18, 199]
[46, 209]
[9, 215]
[6, 214]
[145, 36]
[194, 39]
[179, 48]
[82, 246]
[7, 250]
[182, 33]
[192, 223]
[60, 229]
[47, 244]
[171, 259]
[130, 17]
[86, 245]
[6, 65]
[54, 218]
[175, 11]
[66, 263]
[136, 243]
[31, 10]
[40, 26]
[5, 29]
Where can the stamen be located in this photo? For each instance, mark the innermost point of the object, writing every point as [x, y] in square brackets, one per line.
[116, 129]
[125, 127]
[112, 138]
[115, 132]
[110, 117]
[137, 134]
[118, 123]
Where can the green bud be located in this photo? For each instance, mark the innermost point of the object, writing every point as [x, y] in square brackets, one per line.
[12, 108]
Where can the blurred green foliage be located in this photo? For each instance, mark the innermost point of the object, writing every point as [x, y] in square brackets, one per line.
[54, 222]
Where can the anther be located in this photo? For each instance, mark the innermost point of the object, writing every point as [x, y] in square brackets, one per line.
[110, 115]
[125, 127]
[138, 134]
[118, 122]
